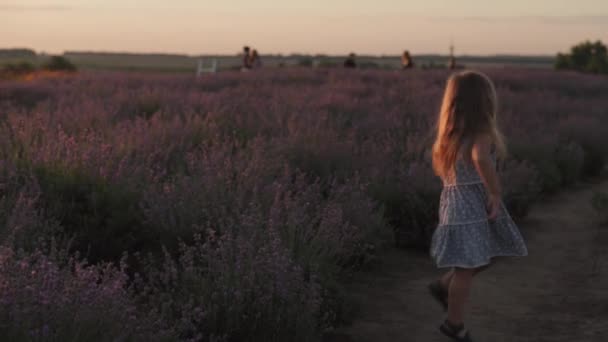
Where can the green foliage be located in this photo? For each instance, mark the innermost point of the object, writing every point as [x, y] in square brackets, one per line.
[328, 63]
[146, 107]
[316, 162]
[599, 201]
[20, 68]
[543, 158]
[369, 65]
[305, 62]
[592, 143]
[583, 156]
[410, 210]
[25, 96]
[570, 160]
[59, 63]
[595, 158]
[16, 70]
[17, 53]
[524, 186]
[104, 219]
[586, 57]
[562, 61]
[433, 65]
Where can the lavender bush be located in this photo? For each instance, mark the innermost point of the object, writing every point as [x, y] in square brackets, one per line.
[45, 298]
[241, 199]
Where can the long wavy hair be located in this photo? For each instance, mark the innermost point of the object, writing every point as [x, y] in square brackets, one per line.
[468, 110]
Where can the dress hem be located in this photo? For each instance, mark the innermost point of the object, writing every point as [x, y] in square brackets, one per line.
[484, 263]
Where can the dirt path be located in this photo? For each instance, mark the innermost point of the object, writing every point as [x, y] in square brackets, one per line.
[557, 293]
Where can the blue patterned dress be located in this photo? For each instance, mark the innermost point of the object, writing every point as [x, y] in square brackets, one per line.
[464, 237]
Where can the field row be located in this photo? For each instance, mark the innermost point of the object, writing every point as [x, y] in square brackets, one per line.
[228, 208]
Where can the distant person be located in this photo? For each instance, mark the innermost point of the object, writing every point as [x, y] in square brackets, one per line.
[474, 226]
[452, 63]
[254, 60]
[406, 60]
[246, 59]
[350, 62]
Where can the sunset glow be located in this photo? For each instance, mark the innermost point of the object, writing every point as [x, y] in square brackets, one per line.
[312, 26]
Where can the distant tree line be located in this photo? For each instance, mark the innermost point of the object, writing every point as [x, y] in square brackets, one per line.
[59, 63]
[17, 53]
[23, 68]
[588, 56]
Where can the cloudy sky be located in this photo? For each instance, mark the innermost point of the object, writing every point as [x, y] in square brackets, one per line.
[307, 26]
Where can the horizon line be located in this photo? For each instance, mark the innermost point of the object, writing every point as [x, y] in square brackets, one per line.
[282, 54]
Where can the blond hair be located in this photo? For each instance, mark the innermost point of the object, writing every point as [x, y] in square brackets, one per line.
[468, 111]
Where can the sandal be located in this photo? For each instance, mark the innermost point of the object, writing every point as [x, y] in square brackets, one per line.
[439, 293]
[457, 333]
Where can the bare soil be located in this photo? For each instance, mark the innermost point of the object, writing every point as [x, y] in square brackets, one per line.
[557, 293]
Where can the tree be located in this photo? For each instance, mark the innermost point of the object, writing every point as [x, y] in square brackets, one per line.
[17, 53]
[586, 57]
[18, 69]
[59, 63]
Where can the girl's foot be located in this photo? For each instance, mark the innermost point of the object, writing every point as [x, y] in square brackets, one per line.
[439, 293]
[457, 333]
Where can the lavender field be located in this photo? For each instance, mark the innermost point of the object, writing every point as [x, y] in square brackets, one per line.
[162, 208]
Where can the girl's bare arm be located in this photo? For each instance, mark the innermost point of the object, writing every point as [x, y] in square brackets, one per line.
[481, 157]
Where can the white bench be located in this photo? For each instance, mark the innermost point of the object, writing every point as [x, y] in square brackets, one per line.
[210, 69]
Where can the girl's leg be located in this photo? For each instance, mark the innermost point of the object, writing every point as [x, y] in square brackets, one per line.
[440, 289]
[447, 277]
[460, 286]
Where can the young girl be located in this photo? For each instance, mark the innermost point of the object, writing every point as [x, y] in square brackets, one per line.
[474, 226]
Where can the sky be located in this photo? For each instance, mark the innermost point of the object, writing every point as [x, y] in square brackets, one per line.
[486, 27]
